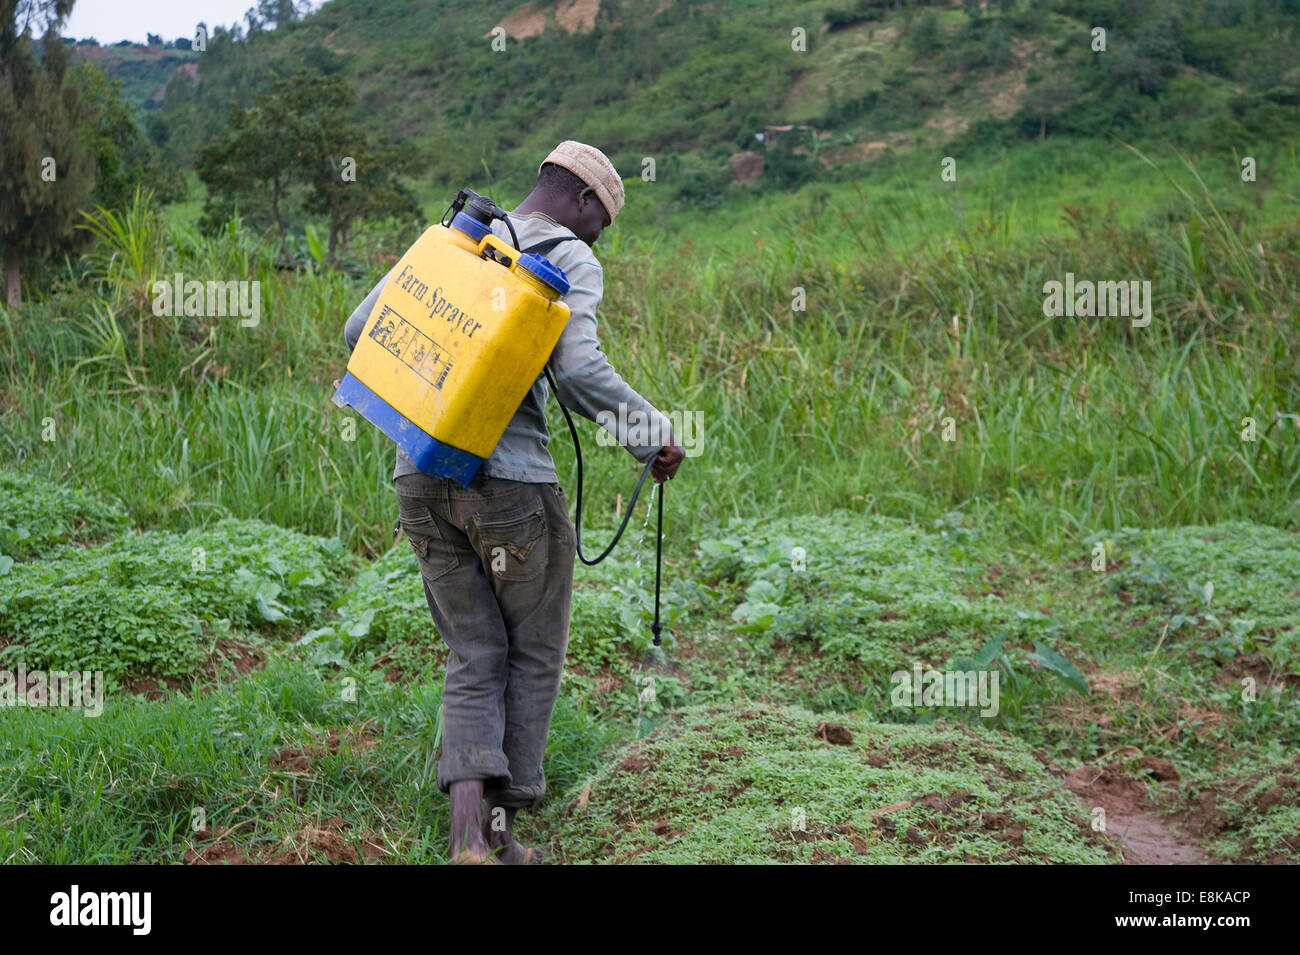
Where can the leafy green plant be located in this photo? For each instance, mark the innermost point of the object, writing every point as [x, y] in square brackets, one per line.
[314, 245]
[608, 624]
[1236, 639]
[1059, 666]
[858, 587]
[140, 603]
[1233, 584]
[1021, 690]
[36, 513]
[385, 605]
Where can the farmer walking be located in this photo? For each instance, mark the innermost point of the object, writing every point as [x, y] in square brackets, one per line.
[497, 556]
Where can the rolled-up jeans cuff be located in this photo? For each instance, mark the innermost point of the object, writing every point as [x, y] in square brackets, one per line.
[474, 762]
[513, 797]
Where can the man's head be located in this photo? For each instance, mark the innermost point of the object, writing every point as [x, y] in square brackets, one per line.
[579, 188]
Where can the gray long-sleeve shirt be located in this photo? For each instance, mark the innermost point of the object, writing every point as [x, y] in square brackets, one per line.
[587, 382]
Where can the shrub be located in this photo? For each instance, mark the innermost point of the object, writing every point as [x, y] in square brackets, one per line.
[138, 604]
[36, 513]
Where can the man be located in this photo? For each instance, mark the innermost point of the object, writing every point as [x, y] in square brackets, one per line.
[497, 556]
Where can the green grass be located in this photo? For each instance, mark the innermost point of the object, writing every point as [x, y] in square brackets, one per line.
[124, 606]
[249, 765]
[1253, 817]
[327, 752]
[38, 514]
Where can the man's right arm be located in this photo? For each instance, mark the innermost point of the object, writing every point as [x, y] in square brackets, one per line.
[587, 382]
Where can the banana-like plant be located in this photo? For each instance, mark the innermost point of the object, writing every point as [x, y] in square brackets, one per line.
[129, 255]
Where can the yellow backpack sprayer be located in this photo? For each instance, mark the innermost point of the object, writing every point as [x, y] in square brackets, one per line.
[455, 341]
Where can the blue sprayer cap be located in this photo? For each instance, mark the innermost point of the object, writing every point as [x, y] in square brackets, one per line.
[470, 226]
[541, 267]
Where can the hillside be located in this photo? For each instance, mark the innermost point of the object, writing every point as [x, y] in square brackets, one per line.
[144, 70]
[691, 84]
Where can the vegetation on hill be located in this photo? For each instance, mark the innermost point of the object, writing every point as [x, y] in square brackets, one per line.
[689, 85]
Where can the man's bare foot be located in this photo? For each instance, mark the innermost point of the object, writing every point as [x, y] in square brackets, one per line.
[499, 831]
[468, 845]
[474, 858]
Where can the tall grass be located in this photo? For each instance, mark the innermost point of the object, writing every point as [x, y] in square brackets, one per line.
[921, 305]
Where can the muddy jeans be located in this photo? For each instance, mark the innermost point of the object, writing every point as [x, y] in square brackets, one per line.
[497, 562]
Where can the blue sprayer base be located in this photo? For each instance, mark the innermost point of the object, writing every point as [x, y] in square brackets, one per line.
[424, 451]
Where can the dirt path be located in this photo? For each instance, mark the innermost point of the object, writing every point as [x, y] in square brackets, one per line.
[1147, 839]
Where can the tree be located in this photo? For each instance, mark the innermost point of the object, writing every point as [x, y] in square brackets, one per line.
[153, 39]
[348, 178]
[1156, 54]
[278, 13]
[789, 161]
[259, 153]
[925, 37]
[172, 128]
[375, 193]
[997, 50]
[297, 137]
[46, 172]
[123, 157]
[1044, 100]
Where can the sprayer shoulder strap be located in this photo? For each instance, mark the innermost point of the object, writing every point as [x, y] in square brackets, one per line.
[545, 246]
[541, 248]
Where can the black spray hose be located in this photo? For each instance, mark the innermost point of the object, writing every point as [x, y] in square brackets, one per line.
[657, 626]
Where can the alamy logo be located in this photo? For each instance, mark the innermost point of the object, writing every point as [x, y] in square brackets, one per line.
[947, 688]
[211, 300]
[634, 429]
[1085, 299]
[70, 689]
[102, 908]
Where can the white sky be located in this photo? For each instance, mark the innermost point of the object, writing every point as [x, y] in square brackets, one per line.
[111, 20]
